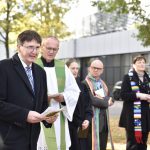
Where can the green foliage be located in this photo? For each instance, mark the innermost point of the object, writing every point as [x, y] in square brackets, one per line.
[120, 6]
[9, 15]
[44, 16]
[128, 7]
[48, 17]
[144, 33]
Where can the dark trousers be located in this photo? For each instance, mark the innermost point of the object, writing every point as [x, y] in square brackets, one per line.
[103, 139]
[132, 144]
[74, 138]
[84, 144]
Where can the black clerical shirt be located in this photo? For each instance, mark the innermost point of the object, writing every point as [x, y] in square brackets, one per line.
[47, 64]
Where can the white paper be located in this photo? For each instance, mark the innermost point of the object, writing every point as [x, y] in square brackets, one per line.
[52, 110]
[100, 92]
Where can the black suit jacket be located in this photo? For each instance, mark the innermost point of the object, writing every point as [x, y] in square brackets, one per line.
[16, 100]
[128, 97]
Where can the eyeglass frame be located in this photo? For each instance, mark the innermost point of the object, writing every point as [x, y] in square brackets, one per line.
[50, 48]
[96, 68]
[31, 48]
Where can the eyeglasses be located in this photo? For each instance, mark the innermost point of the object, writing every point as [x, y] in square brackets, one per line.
[96, 68]
[32, 48]
[52, 49]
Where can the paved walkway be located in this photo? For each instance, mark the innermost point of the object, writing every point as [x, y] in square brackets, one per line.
[120, 146]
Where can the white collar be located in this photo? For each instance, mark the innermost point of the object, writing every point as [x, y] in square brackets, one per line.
[23, 63]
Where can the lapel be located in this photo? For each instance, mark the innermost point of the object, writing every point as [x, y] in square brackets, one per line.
[36, 77]
[21, 72]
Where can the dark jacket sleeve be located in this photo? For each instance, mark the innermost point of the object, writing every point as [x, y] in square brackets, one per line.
[126, 93]
[77, 116]
[10, 112]
[83, 109]
[96, 102]
[88, 105]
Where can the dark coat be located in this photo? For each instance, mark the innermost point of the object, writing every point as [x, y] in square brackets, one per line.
[16, 100]
[83, 111]
[102, 105]
[128, 96]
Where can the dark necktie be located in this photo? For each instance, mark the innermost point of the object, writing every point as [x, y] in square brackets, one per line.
[30, 76]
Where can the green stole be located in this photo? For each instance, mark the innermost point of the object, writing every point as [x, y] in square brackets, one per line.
[50, 132]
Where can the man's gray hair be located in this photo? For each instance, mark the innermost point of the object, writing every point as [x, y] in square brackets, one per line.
[93, 59]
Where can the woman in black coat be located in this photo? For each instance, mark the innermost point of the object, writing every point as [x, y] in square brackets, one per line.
[135, 115]
[82, 115]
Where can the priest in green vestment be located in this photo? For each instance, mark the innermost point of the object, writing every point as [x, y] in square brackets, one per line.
[60, 82]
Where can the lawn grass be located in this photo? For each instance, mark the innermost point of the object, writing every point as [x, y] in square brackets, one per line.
[118, 134]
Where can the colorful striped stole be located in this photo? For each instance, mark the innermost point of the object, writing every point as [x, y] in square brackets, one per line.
[136, 110]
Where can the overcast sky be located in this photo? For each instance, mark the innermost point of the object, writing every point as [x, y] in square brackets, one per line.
[74, 16]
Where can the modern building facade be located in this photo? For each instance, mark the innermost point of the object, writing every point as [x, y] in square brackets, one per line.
[115, 49]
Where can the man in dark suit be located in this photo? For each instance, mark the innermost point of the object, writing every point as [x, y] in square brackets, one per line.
[22, 98]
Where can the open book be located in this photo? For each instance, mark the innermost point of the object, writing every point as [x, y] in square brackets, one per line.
[83, 133]
[51, 111]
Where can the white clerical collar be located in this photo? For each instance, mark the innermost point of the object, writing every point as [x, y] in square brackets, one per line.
[23, 63]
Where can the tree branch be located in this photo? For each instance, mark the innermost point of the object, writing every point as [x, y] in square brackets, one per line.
[2, 36]
[2, 41]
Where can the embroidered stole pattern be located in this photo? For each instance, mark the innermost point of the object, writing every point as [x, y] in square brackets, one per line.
[95, 119]
[50, 133]
[136, 110]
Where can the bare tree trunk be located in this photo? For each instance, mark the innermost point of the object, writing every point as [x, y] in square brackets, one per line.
[7, 46]
[7, 29]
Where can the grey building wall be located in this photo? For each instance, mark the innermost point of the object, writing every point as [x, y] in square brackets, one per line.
[116, 50]
[105, 44]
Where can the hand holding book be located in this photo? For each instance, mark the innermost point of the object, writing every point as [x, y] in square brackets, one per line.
[51, 111]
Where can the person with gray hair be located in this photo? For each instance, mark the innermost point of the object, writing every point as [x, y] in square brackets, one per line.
[100, 102]
[63, 92]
